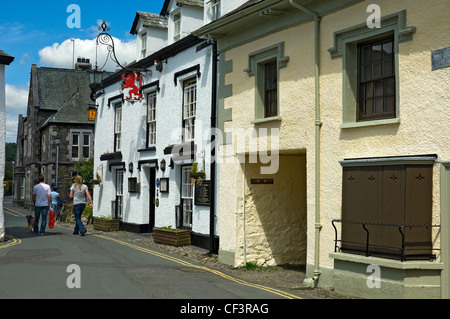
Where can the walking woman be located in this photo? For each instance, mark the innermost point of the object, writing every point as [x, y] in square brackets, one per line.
[79, 192]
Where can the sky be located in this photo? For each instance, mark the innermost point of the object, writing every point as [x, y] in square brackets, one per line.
[40, 32]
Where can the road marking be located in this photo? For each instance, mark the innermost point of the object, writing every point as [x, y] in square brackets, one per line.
[12, 213]
[15, 241]
[216, 272]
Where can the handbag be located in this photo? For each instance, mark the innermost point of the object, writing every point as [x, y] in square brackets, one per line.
[51, 219]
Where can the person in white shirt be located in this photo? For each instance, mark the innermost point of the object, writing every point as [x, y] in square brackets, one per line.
[42, 199]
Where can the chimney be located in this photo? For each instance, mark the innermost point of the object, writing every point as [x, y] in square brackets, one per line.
[83, 64]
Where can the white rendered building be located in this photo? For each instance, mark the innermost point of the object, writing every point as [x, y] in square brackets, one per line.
[144, 151]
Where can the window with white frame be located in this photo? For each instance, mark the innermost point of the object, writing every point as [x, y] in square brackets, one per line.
[118, 128]
[189, 109]
[214, 10]
[177, 27]
[151, 119]
[186, 197]
[81, 145]
[86, 145]
[143, 44]
[76, 146]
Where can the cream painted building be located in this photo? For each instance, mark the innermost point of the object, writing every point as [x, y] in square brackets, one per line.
[351, 121]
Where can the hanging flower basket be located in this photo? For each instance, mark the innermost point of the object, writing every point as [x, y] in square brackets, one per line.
[194, 174]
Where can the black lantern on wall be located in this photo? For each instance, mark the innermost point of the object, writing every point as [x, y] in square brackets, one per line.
[163, 165]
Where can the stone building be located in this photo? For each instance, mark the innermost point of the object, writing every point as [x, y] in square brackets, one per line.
[57, 112]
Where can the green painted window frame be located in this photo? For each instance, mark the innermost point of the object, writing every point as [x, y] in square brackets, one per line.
[256, 67]
[346, 46]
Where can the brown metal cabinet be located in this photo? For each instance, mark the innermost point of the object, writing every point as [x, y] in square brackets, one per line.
[385, 210]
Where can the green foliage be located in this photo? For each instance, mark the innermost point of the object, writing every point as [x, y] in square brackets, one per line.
[10, 156]
[170, 228]
[86, 169]
[10, 152]
[198, 176]
[253, 266]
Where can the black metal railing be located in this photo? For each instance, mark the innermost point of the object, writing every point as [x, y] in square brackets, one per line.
[376, 249]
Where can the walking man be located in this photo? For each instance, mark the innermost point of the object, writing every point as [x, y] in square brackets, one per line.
[42, 198]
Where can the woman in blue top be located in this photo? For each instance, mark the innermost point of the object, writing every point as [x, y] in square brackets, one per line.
[79, 192]
[55, 199]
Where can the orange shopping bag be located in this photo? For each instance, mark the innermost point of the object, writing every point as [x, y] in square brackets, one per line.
[51, 220]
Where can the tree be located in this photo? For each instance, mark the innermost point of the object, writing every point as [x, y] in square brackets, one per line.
[86, 169]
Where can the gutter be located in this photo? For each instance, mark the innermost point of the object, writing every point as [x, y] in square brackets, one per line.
[318, 125]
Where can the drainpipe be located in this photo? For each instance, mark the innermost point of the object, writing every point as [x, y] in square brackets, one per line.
[318, 125]
[212, 208]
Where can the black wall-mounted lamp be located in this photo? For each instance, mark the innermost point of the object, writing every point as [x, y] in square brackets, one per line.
[163, 165]
[130, 167]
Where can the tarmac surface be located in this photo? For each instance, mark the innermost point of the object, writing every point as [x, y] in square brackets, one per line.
[289, 278]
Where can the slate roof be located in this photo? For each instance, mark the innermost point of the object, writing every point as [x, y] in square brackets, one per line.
[5, 58]
[192, 3]
[64, 91]
[56, 86]
[150, 20]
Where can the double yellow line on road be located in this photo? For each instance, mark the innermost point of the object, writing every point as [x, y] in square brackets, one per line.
[14, 242]
[216, 272]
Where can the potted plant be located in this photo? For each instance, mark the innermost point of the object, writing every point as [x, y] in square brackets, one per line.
[97, 180]
[106, 224]
[196, 175]
[172, 236]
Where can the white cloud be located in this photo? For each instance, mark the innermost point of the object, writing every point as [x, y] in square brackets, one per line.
[62, 55]
[16, 103]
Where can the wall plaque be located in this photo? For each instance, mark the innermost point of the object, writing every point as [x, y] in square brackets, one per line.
[203, 193]
[440, 58]
[262, 181]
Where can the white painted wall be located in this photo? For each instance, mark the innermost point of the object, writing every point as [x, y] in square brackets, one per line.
[169, 121]
[2, 146]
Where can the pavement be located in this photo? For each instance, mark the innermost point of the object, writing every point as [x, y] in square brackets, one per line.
[288, 278]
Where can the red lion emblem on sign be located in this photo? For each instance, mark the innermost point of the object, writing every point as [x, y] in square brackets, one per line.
[131, 86]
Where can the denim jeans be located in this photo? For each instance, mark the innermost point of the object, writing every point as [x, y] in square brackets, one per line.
[77, 211]
[38, 211]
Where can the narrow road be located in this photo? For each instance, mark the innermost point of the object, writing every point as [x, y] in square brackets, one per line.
[60, 265]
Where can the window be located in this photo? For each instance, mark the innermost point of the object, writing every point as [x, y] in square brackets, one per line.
[186, 197]
[270, 89]
[385, 198]
[151, 119]
[118, 203]
[118, 128]
[214, 10]
[76, 146]
[189, 109]
[81, 145]
[144, 45]
[177, 27]
[264, 65]
[377, 98]
[86, 145]
[22, 188]
[370, 70]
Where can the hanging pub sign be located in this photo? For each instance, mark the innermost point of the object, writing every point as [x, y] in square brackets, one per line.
[132, 86]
